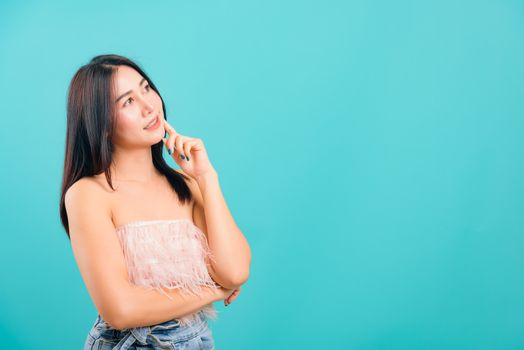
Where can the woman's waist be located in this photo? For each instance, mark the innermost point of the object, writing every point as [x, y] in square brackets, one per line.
[181, 328]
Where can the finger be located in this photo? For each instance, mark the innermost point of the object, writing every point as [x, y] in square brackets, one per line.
[166, 133]
[231, 299]
[228, 299]
[179, 143]
[166, 138]
[167, 143]
[169, 128]
[233, 296]
[169, 133]
[171, 143]
[188, 145]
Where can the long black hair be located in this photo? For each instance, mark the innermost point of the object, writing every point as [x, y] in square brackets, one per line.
[91, 124]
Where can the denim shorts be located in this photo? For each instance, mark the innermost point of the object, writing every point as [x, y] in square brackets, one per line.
[168, 335]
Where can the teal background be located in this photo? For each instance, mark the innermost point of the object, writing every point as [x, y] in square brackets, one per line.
[370, 151]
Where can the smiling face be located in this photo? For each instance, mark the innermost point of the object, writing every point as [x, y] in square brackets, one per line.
[136, 105]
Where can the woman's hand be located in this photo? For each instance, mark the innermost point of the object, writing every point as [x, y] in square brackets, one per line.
[232, 296]
[228, 295]
[189, 153]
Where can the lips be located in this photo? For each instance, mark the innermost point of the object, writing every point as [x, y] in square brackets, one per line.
[152, 122]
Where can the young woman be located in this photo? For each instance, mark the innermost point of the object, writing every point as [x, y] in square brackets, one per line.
[155, 246]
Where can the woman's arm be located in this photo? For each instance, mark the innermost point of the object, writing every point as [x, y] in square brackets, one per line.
[102, 265]
[148, 307]
[231, 252]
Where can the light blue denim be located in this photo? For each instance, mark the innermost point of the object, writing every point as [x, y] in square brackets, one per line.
[168, 335]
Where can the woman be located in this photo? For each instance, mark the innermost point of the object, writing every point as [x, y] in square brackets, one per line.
[154, 246]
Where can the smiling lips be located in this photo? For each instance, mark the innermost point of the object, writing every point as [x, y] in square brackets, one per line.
[152, 122]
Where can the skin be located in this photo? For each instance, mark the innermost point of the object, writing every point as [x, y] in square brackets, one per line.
[134, 112]
[142, 193]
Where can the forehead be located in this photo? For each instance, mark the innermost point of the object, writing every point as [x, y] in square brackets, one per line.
[126, 78]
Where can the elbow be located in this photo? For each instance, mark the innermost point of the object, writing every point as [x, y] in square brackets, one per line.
[117, 317]
[230, 278]
[242, 277]
[237, 279]
[117, 323]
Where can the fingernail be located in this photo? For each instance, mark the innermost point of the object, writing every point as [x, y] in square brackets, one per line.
[169, 150]
[165, 135]
[182, 156]
[187, 159]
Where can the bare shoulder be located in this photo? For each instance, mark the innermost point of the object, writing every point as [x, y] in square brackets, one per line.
[85, 186]
[86, 193]
[96, 247]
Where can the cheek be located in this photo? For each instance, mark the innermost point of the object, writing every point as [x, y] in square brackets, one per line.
[157, 100]
[126, 122]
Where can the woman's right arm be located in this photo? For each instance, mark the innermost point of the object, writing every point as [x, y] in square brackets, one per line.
[102, 265]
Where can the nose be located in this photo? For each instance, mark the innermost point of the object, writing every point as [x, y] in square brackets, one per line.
[148, 107]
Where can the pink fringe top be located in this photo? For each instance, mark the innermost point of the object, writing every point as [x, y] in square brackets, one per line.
[168, 254]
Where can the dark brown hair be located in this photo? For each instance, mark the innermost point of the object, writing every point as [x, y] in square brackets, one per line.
[90, 126]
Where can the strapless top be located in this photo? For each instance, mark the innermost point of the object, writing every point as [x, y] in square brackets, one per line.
[168, 254]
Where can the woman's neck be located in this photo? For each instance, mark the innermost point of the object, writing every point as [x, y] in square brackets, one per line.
[134, 165]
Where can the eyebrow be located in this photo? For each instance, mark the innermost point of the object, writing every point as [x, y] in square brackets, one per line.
[127, 93]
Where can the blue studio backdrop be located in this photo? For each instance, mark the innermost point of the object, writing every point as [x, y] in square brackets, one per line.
[370, 151]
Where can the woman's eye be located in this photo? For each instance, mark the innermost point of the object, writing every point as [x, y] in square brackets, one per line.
[147, 87]
[129, 99]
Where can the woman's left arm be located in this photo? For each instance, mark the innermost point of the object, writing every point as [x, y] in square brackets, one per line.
[231, 255]
[231, 252]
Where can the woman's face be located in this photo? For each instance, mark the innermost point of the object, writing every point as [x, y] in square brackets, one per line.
[136, 105]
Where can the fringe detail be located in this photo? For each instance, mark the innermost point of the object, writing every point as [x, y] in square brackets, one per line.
[210, 313]
[168, 254]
